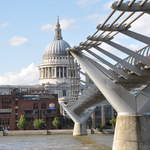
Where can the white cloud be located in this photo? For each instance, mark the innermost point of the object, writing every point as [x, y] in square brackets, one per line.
[47, 27]
[17, 41]
[3, 25]
[66, 24]
[97, 18]
[107, 5]
[27, 76]
[134, 47]
[84, 3]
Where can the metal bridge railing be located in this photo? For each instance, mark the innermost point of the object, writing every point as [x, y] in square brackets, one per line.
[133, 60]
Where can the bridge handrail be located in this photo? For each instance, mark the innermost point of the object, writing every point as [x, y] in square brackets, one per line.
[81, 100]
[132, 60]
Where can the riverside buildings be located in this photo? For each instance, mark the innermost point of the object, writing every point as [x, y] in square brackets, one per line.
[32, 102]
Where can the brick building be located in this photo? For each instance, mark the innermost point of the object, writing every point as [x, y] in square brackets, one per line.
[32, 103]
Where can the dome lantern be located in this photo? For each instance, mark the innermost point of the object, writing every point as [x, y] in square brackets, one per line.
[58, 35]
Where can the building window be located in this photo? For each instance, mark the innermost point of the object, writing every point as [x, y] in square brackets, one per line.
[46, 73]
[72, 73]
[6, 103]
[51, 112]
[57, 72]
[16, 102]
[16, 117]
[43, 112]
[64, 92]
[53, 72]
[61, 72]
[29, 119]
[4, 123]
[35, 106]
[50, 71]
[65, 71]
[28, 112]
[43, 106]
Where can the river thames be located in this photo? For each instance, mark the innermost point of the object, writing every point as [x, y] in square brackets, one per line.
[56, 142]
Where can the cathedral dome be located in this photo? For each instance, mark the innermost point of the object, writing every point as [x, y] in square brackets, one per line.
[58, 46]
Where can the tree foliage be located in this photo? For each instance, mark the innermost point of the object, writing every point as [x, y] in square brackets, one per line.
[38, 123]
[56, 122]
[113, 122]
[21, 124]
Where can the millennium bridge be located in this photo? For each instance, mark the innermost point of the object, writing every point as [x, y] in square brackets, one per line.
[125, 83]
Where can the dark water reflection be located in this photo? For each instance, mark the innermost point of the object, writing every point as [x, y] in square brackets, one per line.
[53, 142]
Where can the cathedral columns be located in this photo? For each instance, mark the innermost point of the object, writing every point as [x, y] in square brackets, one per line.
[48, 72]
[40, 73]
[63, 72]
[59, 68]
[43, 73]
[55, 74]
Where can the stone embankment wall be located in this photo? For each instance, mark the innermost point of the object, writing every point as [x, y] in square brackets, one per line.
[34, 132]
[1, 133]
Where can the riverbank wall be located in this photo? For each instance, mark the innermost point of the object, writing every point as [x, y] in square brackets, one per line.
[46, 132]
[33, 132]
[1, 133]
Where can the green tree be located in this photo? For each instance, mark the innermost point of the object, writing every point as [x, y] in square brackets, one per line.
[21, 124]
[56, 122]
[38, 123]
[113, 123]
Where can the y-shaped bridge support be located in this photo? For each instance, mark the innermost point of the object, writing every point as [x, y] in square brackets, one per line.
[79, 121]
[82, 109]
[133, 121]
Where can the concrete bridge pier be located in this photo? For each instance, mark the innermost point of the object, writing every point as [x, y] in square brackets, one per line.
[132, 132]
[79, 129]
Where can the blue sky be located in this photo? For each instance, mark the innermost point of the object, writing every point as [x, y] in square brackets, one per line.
[24, 19]
[26, 29]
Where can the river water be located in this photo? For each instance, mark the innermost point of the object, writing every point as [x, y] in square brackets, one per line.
[56, 142]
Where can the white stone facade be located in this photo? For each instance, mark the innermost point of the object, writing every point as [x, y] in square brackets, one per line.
[54, 70]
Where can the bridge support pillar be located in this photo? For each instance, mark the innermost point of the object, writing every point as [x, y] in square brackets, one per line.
[79, 129]
[132, 133]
